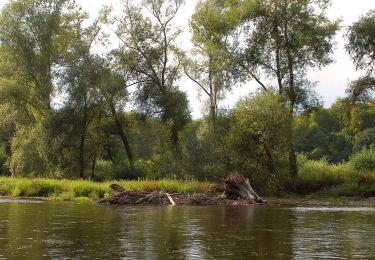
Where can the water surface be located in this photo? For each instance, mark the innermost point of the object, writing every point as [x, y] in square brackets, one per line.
[66, 230]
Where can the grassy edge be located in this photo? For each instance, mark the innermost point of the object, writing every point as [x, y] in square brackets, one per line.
[83, 190]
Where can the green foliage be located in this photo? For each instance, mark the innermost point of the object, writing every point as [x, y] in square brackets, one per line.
[262, 122]
[362, 90]
[364, 160]
[29, 152]
[324, 179]
[364, 140]
[46, 51]
[149, 52]
[68, 190]
[3, 159]
[317, 175]
[361, 42]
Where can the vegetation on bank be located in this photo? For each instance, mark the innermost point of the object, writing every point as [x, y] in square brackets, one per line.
[322, 179]
[64, 107]
[72, 189]
[316, 179]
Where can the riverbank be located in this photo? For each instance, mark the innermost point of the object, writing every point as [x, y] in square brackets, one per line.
[54, 189]
[344, 193]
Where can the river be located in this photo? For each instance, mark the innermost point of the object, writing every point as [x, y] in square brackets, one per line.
[67, 230]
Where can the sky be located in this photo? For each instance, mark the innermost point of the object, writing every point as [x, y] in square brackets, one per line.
[332, 80]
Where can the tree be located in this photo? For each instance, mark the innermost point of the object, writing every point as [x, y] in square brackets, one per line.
[361, 47]
[361, 91]
[320, 134]
[282, 40]
[364, 140]
[34, 35]
[80, 82]
[361, 42]
[211, 68]
[113, 91]
[265, 118]
[95, 89]
[148, 50]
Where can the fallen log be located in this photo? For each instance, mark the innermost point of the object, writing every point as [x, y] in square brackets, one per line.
[237, 190]
[237, 186]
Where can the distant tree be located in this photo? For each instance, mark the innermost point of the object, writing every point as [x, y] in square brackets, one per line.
[321, 134]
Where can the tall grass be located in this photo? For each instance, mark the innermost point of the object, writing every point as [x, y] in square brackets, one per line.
[334, 180]
[71, 189]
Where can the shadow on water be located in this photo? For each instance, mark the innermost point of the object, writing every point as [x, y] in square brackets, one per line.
[54, 230]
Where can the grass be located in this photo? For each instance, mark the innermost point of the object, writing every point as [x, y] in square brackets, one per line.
[55, 189]
[321, 179]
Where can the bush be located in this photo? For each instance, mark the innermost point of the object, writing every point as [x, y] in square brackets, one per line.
[364, 140]
[364, 160]
[316, 175]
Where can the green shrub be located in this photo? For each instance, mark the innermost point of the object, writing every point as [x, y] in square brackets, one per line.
[104, 170]
[317, 175]
[364, 160]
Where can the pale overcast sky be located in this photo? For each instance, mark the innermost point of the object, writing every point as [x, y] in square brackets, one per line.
[332, 80]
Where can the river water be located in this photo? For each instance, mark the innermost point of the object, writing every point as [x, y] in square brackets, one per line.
[67, 230]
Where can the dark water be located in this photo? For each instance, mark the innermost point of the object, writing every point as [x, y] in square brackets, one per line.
[59, 230]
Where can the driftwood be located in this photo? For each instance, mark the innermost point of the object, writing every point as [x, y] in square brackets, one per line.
[237, 189]
[236, 186]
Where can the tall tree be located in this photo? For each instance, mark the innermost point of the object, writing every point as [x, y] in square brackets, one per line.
[34, 35]
[210, 68]
[148, 49]
[361, 42]
[113, 92]
[282, 40]
[361, 47]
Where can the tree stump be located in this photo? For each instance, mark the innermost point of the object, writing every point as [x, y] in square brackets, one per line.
[238, 187]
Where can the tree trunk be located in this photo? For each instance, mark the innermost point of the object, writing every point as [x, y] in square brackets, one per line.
[123, 137]
[293, 170]
[270, 163]
[212, 116]
[82, 145]
[93, 166]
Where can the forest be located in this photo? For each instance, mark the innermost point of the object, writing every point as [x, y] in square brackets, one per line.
[72, 110]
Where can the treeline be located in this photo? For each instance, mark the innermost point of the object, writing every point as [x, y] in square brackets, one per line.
[63, 105]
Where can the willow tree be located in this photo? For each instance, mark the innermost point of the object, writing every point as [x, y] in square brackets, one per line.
[210, 68]
[34, 36]
[282, 40]
[361, 47]
[148, 49]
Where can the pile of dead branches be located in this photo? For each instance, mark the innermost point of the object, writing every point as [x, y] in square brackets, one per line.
[237, 189]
